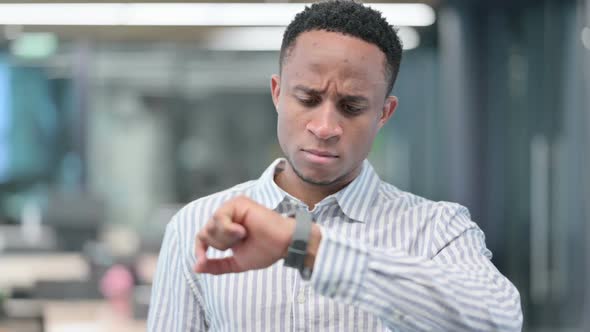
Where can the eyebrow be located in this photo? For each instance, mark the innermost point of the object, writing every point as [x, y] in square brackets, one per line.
[348, 98]
[355, 99]
[307, 90]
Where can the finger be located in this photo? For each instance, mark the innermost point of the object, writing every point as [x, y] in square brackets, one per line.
[211, 227]
[212, 234]
[235, 209]
[218, 266]
[201, 248]
[224, 234]
[236, 231]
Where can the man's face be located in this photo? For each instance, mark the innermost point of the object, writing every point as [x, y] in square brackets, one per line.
[331, 101]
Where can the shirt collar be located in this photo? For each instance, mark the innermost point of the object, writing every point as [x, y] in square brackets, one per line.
[266, 191]
[355, 200]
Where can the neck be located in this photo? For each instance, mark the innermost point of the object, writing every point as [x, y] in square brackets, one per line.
[309, 193]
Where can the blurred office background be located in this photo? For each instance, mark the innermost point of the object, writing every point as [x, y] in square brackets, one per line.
[109, 125]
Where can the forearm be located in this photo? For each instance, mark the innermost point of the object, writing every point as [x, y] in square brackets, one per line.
[415, 293]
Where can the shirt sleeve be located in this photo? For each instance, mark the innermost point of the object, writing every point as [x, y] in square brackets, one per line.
[175, 303]
[457, 288]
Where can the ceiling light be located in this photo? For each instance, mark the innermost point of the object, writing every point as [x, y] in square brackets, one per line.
[187, 14]
[270, 38]
[246, 39]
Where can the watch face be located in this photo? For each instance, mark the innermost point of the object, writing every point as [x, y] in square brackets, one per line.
[294, 256]
[300, 245]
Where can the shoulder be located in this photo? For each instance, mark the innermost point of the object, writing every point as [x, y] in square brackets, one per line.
[392, 197]
[442, 215]
[436, 222]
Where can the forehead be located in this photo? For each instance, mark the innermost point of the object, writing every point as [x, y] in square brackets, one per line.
[321, 54]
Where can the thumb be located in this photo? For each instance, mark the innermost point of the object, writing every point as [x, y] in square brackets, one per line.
[237, 231]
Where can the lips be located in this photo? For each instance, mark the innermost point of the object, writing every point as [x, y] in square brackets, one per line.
[319, 157]
[321, 153]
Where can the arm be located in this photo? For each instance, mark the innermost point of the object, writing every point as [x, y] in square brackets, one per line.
[453, 287]
[175, 303]
[457, 289]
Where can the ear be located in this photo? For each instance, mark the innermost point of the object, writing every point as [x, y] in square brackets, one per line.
[388, 109]
[275, 90]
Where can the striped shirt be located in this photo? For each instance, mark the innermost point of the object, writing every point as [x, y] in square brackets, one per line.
[388, 261]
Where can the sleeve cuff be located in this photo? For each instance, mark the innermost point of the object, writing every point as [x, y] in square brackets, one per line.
[339, 268]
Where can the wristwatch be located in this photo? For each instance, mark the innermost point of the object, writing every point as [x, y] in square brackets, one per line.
[298, 247]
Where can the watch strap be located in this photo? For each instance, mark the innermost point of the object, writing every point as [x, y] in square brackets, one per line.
[298, 248]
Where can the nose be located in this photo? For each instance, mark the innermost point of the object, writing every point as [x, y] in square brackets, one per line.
[325, 122]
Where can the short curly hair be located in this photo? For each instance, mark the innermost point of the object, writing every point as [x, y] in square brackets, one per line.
[349, 18]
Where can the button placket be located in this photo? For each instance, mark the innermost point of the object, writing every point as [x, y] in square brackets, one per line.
[301, 296]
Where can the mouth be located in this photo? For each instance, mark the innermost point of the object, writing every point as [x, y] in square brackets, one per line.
[321, 153]
[319, 156]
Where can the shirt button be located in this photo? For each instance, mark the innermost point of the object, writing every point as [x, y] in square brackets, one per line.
[301, 298]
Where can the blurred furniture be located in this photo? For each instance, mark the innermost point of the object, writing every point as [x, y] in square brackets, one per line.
[25, 270]
[13, 238]
[77, 218]
[20, 325]
[21, 316]
[66, 316]
[95, 316]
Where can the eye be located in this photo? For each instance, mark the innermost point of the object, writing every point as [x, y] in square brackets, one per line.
[351, 109]
[308, 101]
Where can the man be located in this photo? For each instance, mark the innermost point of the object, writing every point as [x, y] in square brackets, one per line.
[374, 259]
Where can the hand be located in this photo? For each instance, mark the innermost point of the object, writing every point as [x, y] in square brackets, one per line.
[257, 236]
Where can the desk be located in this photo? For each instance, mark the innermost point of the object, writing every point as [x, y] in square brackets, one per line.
[87, 316]
[20, 326]
[13, 238]
[24, 270]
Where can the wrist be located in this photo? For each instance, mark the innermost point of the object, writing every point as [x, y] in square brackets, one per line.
[312, 247]
[304, 239]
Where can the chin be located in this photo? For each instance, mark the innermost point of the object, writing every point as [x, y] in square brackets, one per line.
[316, 177]
[318, 181]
